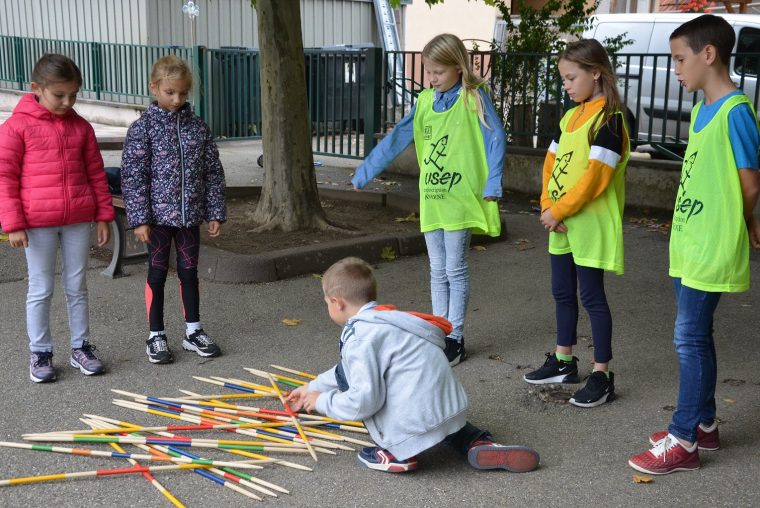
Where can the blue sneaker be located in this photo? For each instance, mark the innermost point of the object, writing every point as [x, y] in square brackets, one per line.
[383, 460]
[41, 367]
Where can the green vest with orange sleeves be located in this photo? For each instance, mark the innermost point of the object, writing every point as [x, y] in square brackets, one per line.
[594, 234]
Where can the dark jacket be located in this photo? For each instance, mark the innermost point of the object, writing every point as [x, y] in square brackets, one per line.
[171, 174]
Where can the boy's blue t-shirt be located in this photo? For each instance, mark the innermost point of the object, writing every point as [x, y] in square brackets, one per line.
[742, 130]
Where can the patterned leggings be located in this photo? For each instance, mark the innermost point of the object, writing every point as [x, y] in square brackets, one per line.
[187, 244]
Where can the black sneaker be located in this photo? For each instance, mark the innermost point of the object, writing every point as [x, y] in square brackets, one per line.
[454, 351]
[158, 350]
[201, 343]
[554, 371]
[598, 390]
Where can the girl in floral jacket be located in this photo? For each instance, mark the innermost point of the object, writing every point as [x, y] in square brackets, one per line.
[172, 182]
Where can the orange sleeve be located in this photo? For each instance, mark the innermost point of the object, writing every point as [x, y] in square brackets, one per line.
[546, 202]
[594, 181]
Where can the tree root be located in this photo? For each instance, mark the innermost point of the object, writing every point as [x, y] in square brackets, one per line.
[320, 224]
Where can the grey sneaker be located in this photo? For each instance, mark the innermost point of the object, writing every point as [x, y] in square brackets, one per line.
[41, 367]
[84, 359]
[201, 343]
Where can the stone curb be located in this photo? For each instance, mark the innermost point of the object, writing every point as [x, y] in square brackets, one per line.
[223, 266]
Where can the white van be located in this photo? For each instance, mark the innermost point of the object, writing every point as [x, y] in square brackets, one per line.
[647, 81]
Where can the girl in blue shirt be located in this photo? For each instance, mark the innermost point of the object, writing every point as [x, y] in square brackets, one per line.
[448, 69]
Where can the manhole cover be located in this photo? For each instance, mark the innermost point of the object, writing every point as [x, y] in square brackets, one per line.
[555, 395]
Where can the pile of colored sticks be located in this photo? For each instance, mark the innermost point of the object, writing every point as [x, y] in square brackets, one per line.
[264, 432]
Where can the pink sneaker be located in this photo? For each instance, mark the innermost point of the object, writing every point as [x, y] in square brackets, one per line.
[708, 438]
[485, 454]
[667, 455]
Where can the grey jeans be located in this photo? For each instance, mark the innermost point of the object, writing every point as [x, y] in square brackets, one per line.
[41, 254]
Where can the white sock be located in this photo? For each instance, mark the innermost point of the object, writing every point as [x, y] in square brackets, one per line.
[711, 428]
[193, 327]
[153, 334]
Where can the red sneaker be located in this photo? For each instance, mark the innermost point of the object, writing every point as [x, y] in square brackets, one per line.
[667, 456]
[485, 454]
[708, 438]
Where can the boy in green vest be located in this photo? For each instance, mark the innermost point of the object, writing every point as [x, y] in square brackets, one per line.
[711, 231]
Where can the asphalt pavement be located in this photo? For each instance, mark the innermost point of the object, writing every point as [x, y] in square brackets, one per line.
[510, 325]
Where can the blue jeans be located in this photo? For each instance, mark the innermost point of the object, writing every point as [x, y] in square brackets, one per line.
[566, 277]
[449, 275]
[693, 337]
[41, 255]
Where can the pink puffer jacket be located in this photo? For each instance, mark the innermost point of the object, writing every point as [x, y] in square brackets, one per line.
[51, 171]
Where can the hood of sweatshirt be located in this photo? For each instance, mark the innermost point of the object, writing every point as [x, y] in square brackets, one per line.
[433, 329]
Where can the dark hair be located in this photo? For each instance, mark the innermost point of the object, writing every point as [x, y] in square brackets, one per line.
[591, 56]
[54, 68]
[708, 29]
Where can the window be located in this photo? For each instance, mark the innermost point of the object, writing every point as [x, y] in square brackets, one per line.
[749, 42]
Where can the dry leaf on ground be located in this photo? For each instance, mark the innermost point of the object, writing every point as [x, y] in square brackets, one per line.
[388, 253]
[479, 248]
[291, 322]
[642, 478]
[412, 217]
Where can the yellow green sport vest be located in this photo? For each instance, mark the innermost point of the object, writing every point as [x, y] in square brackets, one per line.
[594, 234]
[709, 243]
[453, 169]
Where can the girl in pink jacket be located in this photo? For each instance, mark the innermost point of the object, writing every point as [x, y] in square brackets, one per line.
[52, 186]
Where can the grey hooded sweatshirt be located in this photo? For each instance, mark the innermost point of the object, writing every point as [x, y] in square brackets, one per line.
[399, 382]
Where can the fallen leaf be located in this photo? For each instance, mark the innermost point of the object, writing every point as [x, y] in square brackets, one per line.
[390, 183]
[412, 217]
[669, 408]
[524, 244]
[291, 322]
[642, 478]
[497, 357]
[317, 276]
[479, 248]
[734, 382]
[729, 401]
[3, 237]
[388, 253]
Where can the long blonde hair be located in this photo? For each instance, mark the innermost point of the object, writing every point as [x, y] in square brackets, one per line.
[448, 50]
[591, 56]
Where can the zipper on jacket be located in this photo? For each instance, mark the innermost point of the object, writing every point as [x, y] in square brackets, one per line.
[65, 173]
[182, 172]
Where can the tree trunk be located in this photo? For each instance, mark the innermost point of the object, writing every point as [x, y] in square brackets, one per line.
[289, 198]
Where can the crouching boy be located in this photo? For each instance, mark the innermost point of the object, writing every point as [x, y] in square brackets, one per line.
[394, 376]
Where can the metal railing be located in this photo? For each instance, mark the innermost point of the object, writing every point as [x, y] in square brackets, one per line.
[110, 72]
[344, 85]
[356, 92]
[527, 92]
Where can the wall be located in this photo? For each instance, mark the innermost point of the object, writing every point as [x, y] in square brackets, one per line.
[463, 18]
[648, 183]
[162, 22]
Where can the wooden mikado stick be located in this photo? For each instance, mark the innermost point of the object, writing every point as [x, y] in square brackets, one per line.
[293, 417]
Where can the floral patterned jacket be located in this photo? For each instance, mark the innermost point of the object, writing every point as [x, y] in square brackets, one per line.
[170, 170]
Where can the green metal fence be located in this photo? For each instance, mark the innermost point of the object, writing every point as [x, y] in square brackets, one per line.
[355, 92]
[528, 93]
[110, 72]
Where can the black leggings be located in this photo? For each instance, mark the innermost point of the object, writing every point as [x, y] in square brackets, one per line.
[566, 277]
[187, 244]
